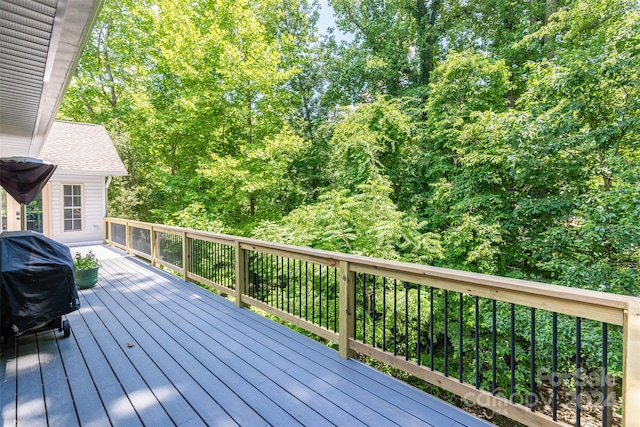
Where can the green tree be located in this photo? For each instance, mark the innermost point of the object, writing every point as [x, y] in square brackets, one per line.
[365, 222]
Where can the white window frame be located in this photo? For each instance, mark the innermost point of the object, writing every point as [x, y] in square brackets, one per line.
[73, 208]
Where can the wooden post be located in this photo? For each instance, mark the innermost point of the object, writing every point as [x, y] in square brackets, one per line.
[154, 249]
[241, 268]
[631, 366]
[186, 255]
[346, 311]
[127, 236]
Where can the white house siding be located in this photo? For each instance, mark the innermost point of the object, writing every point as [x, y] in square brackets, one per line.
[93, 205]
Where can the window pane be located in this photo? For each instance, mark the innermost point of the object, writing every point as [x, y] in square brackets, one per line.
[72, 203]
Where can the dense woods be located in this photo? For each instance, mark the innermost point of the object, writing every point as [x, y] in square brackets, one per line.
[486, 135]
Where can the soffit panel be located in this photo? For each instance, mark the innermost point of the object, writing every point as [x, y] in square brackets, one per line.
[40, 43]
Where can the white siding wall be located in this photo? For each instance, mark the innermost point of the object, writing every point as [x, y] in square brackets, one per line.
[92, 210]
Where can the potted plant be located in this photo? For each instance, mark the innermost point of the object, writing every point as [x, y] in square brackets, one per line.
[86, 270]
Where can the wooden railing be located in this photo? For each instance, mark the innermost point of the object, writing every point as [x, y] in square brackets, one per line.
[526, 350]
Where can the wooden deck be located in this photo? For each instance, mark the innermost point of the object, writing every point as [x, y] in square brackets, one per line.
[149, 349]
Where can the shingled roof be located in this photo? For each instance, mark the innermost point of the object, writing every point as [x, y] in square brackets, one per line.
[82, 148]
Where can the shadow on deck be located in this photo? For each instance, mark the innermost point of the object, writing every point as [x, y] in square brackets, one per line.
[149, 349]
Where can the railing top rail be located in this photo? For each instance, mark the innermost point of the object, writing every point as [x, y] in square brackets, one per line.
[382, 267]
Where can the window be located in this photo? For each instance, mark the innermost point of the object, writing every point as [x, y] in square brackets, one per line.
[72, 207]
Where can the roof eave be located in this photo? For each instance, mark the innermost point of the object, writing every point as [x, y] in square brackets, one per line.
[66, 57]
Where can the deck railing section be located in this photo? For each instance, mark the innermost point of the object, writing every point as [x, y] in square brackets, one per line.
[536, 353]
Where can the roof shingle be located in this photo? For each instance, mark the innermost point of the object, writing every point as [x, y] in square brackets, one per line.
[82, 148]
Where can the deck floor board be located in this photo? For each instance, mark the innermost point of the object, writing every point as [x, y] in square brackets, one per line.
[149, 349]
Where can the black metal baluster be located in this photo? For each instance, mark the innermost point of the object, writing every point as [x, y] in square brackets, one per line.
[477, 338]
[306, 290]
[364, 308]
[195, 255]
[373, 314]
[204, 260]
[223, 269]
[494, 379]
[300, 288]
[213, 267]
[252, 274]
[231, 261]
[446, 333]
[229, 264]
[395, 317]
[384, 313]
[335, 300]
[201, 261]
[327, 299]
[209, 264]
[313, 293]
[578, 367]
[554, 367]
[260, 273]
[406, 321]
[419, 334]
[281, 283]
[288, 284]
[273, 280]
[605, 363]
[197, 260]
[298, 272]
[320, 297]
[460, 332]
[221, 262]
[264, 277]
[279, 277]
[431, 331]
[532, 382]
[513, 353]
[220, 267]
[277, 281]
[355, 281]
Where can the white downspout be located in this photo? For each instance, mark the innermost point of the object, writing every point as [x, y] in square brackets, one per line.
[106, 196]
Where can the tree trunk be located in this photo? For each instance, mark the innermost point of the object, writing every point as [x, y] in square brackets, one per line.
[426, 18]
[551, 7]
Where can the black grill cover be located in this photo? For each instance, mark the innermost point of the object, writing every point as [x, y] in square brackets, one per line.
[36, 279]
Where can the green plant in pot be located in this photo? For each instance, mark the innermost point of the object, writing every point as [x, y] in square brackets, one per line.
[86, 270]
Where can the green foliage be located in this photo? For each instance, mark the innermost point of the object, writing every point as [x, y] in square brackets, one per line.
[365, 223]
[370, 142]
[85, 262]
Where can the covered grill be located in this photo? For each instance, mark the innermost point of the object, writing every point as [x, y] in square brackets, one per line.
[36, 277]
[37, 282]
